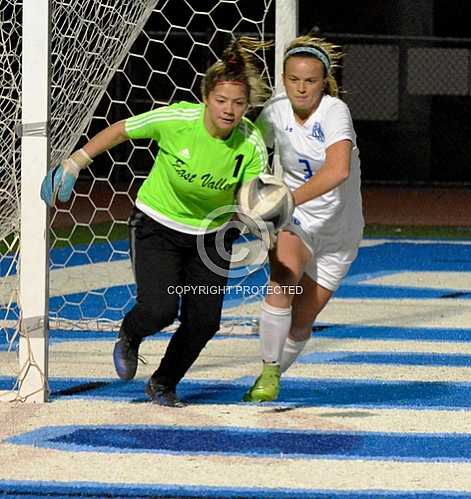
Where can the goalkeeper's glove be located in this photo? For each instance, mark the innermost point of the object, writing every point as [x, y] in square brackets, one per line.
[263, 230]
[60, 180]
[271, 235]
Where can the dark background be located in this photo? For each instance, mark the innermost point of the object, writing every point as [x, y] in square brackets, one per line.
[411, 118]
[428, 142]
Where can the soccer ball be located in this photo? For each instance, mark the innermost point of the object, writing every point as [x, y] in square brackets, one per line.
[266, 198]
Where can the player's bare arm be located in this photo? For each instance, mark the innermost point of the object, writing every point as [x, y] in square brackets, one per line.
[106, 139]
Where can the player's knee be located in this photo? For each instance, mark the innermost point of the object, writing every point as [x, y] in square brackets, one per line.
[201, 336]
[301, 333]
[162, 316]
[156, 316]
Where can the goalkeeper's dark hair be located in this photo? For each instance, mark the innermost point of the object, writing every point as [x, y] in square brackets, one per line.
[237, 64]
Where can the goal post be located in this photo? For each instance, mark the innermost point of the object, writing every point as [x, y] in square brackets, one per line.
[85, 64]
[286, 29]
[34, 233]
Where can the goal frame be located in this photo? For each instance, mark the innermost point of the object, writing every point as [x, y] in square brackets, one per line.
[34, 233]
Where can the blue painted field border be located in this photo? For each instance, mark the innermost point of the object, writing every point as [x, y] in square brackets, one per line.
[256, 443]
[295, 392]
[366, 332]
[435, 359]
[320, 330]
[377, 292]
[97, 490]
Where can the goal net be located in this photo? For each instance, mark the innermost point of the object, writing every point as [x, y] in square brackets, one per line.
[109, 60]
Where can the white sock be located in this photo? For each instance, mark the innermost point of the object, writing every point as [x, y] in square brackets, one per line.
[275, 324]
[290, 353]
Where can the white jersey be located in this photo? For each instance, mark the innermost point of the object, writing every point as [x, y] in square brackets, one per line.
[302, 150]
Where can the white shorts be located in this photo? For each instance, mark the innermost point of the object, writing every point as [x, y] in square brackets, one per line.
[331, 257]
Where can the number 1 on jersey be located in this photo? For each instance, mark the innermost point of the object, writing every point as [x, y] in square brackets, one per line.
[239, 158]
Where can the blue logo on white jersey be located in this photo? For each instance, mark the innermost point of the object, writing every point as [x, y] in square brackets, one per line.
[295, 221]
[317, 132]
[288, 128]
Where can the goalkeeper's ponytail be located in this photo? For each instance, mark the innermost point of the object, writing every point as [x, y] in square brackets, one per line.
[237, 64]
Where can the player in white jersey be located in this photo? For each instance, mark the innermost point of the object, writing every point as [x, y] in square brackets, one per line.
[313, 133]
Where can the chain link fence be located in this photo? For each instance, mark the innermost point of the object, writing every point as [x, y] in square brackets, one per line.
[410, 100]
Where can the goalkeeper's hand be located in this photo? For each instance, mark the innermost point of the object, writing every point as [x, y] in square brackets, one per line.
[263, 230]
[60, 180]
[271, 235]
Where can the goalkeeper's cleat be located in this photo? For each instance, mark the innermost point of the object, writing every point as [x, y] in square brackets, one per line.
[125, 355]
[267, 385]
[162, 394]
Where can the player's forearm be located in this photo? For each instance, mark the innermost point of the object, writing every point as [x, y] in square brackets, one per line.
[106, 139]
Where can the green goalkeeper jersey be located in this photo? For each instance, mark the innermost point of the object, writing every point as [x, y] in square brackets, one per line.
[194, 173]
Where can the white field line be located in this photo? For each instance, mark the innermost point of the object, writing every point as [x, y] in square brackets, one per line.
[433, 313]
[78, 279]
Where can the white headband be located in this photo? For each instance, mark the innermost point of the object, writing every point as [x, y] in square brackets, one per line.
[318, 54]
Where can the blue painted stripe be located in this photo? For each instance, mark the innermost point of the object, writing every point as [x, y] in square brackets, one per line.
[399, 292]
[96, 490]
[385, 259]
[412, 256]
[85, 305]
[390, 256]
[391, 333]
[397, 359]
[84, 254]
[63, 336]
[299, 392]
[338, 331]
[305, 444]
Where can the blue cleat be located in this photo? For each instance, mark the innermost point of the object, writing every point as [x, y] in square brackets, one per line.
[162, 395]
[125, 355]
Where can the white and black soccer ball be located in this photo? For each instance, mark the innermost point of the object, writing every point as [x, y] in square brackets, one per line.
[266, 198]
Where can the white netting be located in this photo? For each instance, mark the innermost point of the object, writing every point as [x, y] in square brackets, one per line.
[89, 41]
[105, 66]
[10, 113]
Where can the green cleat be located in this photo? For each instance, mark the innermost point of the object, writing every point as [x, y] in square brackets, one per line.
[267, 386]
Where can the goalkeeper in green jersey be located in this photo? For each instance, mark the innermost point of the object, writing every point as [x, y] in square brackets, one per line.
[206, 152]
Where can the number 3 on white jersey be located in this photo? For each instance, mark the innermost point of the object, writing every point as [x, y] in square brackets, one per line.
[306, 168]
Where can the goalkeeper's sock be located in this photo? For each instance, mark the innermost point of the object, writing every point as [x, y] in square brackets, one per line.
[274, 328]
[291, 351]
